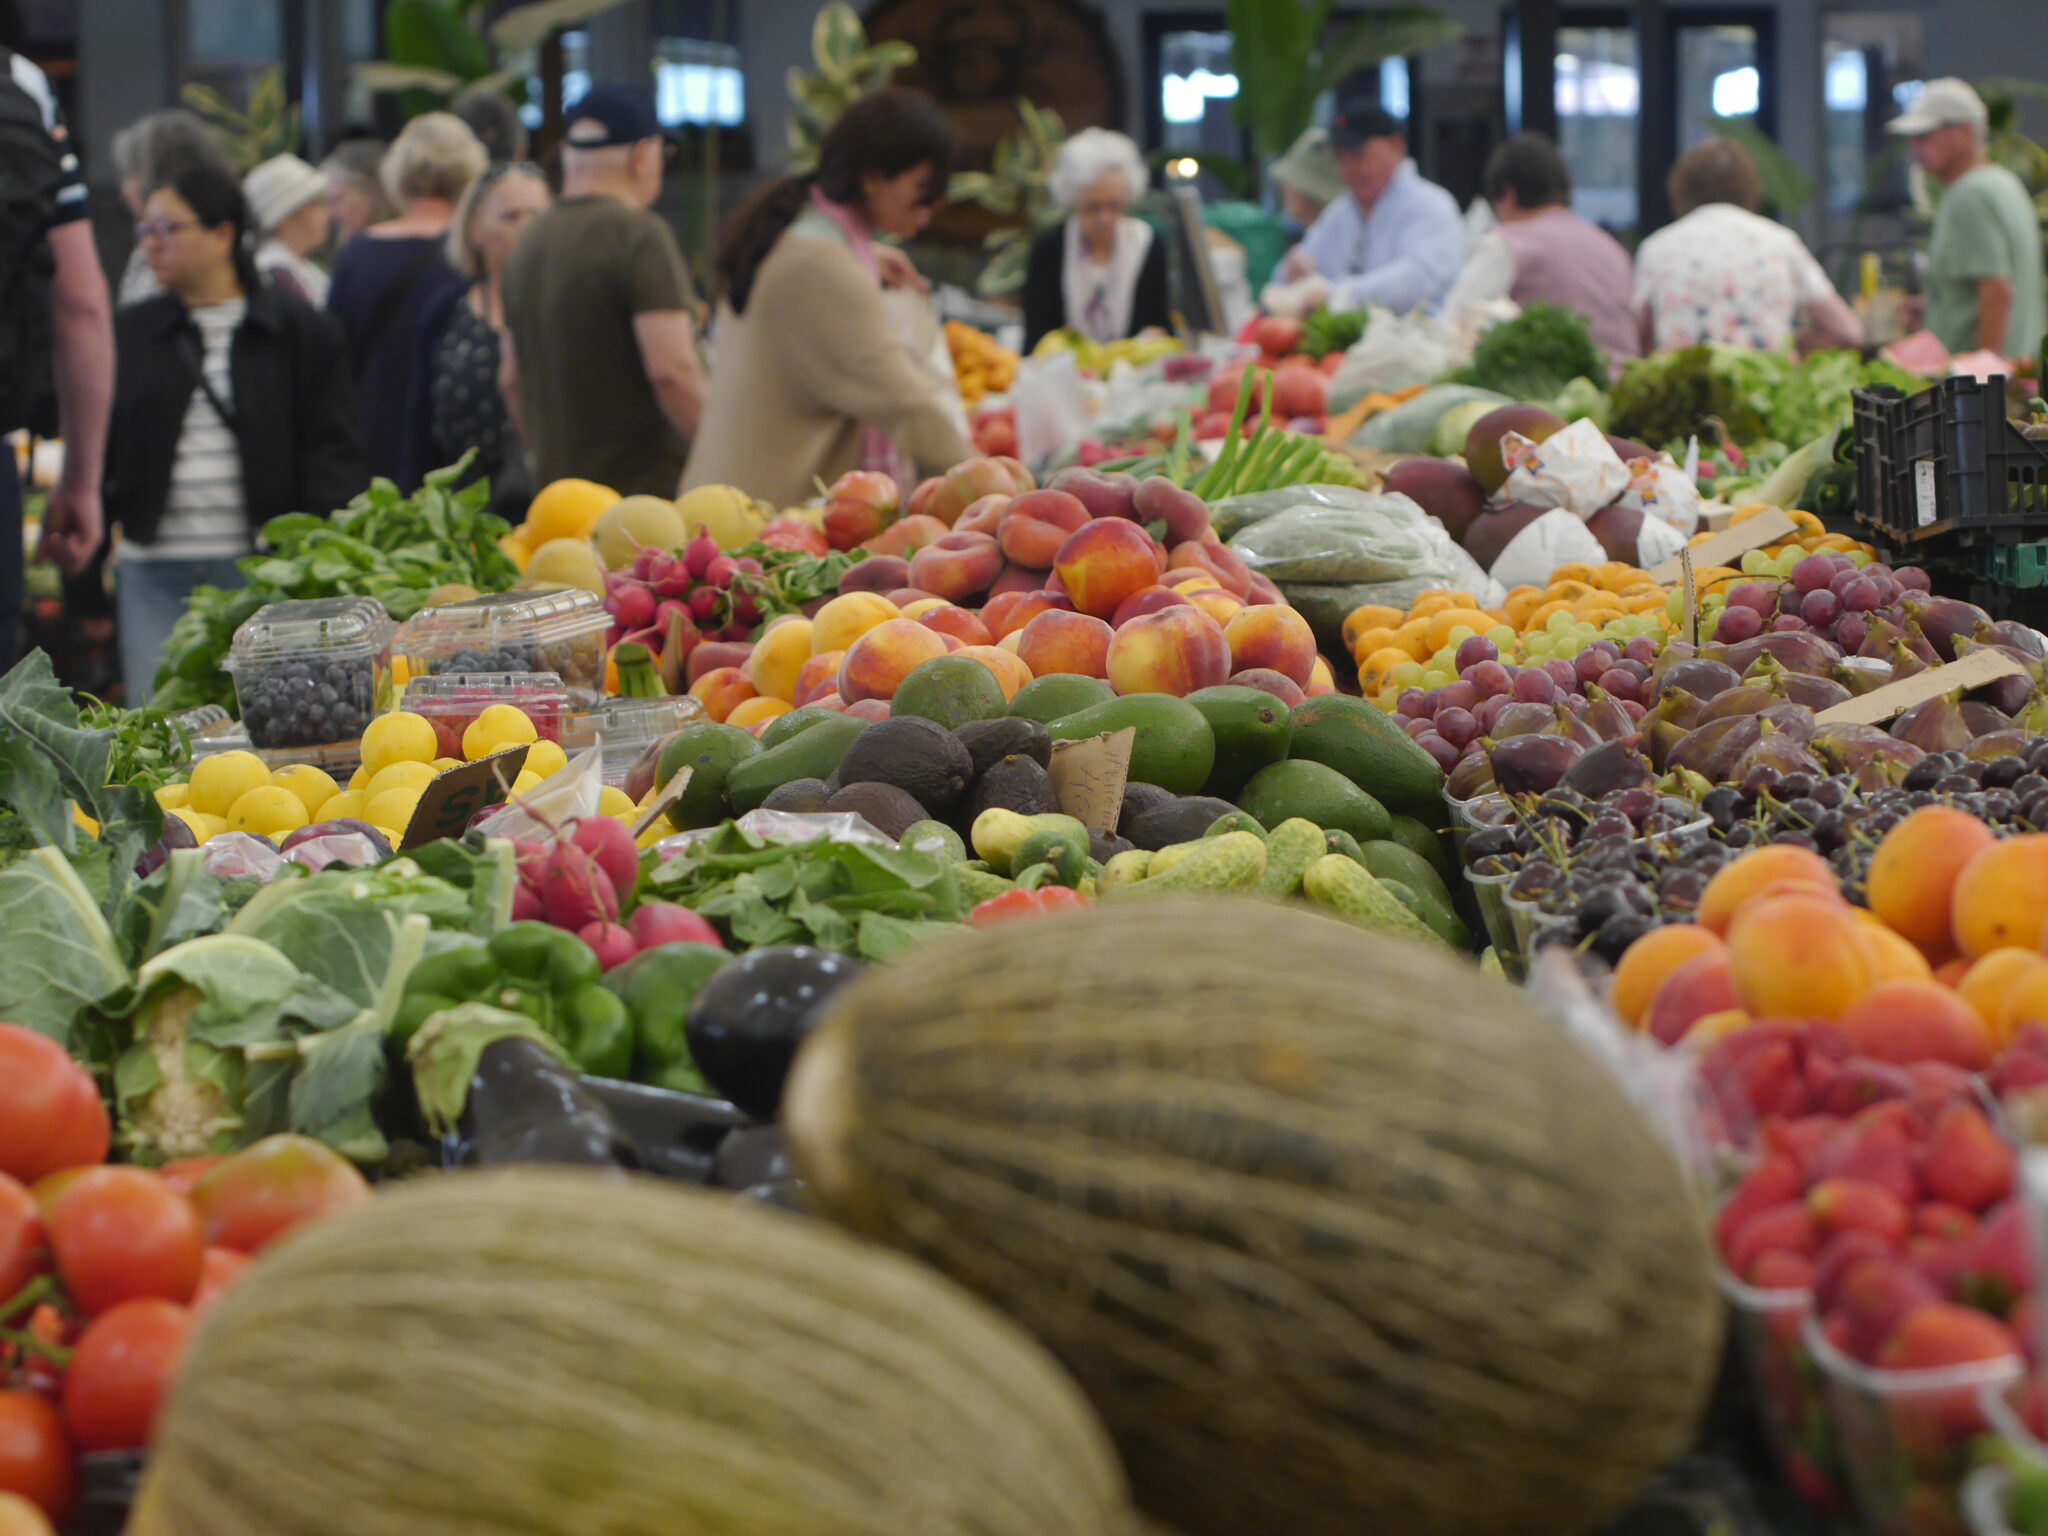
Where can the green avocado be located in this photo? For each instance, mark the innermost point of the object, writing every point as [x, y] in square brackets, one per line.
[1174, 747]
[1252, 729]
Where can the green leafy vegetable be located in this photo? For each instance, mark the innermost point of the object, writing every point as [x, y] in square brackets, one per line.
[1535, 355]
[50, 760]
[1328, 331]
[789, 578]
[179, 901]
[1756, 396]
[147, 749]
[339, 926]
[62, 961]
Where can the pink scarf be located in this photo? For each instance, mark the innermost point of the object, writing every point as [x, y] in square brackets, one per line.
[877, 450]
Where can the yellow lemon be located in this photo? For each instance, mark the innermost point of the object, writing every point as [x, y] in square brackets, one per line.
[313, 787]
[499, 726]
[171, 796]
[612, 801]
[392, 835]
[346, 806]
[545, 758]
[443, 764]
[270, 811]
[219, 781]
[203, 826]
[410, 777]
[527, 782]
[565, 509]
[392, 808]
[399, 737]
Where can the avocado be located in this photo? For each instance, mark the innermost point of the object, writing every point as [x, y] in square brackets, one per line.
[1436, 916]
[990, 741]
[1252, 728]
[919, 756]
[792, 723]
[814, 754]
[1017, 783]
[951, 845]
[1047, 698]
[1390, 861]
[1339, 841]
[802, 797]
[1317, 793]
[1104, 846]
[951, 690]
[1181, 820]
[1138, 799]
[1361, 741]
[710, 751]
[889, 810]
[1417, 838]
[1174, 748]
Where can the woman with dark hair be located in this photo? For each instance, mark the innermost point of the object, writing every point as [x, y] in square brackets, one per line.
[808, 358]
[232, 405]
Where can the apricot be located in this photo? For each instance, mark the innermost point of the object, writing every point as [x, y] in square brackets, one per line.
[779, 655]
[1104, 562]
[720, 690]
[907, 535]
[1276, 638]
[1057, 641]
[1775, 864]
[957, 566]
[877, 574]
[1144, 600]
[817, 676]
[757, 711]
[1009, 669]
[1688, 993]
[964, 626]
[880, 659]
[1993, 987]
[1800, 954]
[1914, 870]
[1016, 578]
[1321, 680]
[1645, 964]
[1036, 524]
[1285, 689]
[1215, 602]
[2001, 897]
[1013, 610]
[713, 654]
[985, 516]
[1892, 956]
[847, 617]
[1175, 650]
[1224, 564]
[1904, 1022]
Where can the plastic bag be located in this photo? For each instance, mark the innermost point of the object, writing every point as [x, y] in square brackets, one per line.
[1394, 352]
[1576, 469]
[1556, 538]
[1233, 514]
[569, 794]
[1656, 542]
[1410, 427]
[789, 827]
[353, 849]
[231, 855]
[1343, 536]
[1052, 409]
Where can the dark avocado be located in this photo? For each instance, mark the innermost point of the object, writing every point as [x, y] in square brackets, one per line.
[1015, 783]
[990, 741]
[889, 810]
[919, 756]
[801, 797]
[1182, 820]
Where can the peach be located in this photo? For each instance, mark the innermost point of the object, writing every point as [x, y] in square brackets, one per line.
[1914, 870]
[918, 502]
[859, 505]
[965, 484]
[1056, 587]
[1012, 642]
[1036, 524]
[757, 711]
[985, 516]
[779, 655]
[721, 690]
[1145, 600]
[1273, 637]
[903, 597]
[1016, 578]
[1065, 642]
[1013, 610]
[1215, 602]
[953, 642]
[1693, 989]
[830, 701]
[847, 617]
[957, 566]
[849, 524]
[868, 709]
[1158, 500]
[817, 677]
[792, 530]
[1799, 954]
[1904, 1022]
[1006, 665]
[923, 606]
[1104, 495]
[884, 656]
[877, 573]
[1285, 689]
[1262, 591]
[907, 535]
[1103, 563]
[1321, 680]
[714, 655]
[957, 622]
[1020, 475]
[1175, 650]
[1891, 956]
[1221, 562]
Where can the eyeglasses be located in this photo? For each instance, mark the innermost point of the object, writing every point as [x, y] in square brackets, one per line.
[163, 229]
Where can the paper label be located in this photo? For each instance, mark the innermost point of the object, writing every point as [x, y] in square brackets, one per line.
[1881, 704]
[454, 796]
[1692, 595]
[1090, 775]
[1732, 543]
[1926, 511]
[670, 793]
[673, 658]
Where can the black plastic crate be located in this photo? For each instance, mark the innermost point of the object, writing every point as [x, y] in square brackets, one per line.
[1946, 465]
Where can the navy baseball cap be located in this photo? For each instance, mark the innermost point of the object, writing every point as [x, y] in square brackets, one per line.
[611, 113]
[1362, 118]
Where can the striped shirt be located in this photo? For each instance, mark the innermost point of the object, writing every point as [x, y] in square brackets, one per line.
[203, 518]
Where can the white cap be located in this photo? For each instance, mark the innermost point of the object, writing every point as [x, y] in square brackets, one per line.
[1941, 103]
[279, 188]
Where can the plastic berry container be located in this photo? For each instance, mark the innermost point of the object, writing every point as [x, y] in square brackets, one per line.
[561, 631]
[307, 671]
[1789, 1393]
[451, 702]
[627, 727]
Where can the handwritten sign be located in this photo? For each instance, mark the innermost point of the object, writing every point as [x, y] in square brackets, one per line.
[1692, 596]
[453, 797]
[1881, 704]
[671, 792]
[1730, 544]
[1089, 777]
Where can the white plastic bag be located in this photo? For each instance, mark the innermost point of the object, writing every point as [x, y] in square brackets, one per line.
[1556, 538]
[1656, 542]
[1576, 469]
[789, 827]
[1394, 352]
[1052, 408]
[567, 795]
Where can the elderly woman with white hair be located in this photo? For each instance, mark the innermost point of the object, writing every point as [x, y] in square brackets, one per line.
[1100, 271]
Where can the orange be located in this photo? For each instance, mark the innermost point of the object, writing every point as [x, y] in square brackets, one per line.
[2001, 896]
[1650, 959]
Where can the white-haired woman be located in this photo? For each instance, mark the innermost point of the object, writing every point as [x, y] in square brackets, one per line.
[1100, 271]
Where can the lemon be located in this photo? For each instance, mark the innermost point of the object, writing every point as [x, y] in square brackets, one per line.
[527, 782]
[408, 776]
[203, 826]
[171, 796]
[497, 727]
[613, 801]
[346, 806]
[219, 781]
[359, 778]
[399, 737]
[545, 758]
[392, 835]
[313, 787]
[270, 811]
[392, 808]
[443, 764]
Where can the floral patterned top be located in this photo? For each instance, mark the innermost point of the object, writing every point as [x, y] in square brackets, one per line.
[468, 410]
[1725, 274]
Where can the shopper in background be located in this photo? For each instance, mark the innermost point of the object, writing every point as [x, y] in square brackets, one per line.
[1394, 239]
[1725, 273]
[810, 363]
[495, 122]
[288, 201]
[231, 407]
[1099, 271]
[1539, 250]
[355, 187]
[1984, 282]
[602, 377]
[390, 278]
[148, 152]
[469, 410]
[1307, 178]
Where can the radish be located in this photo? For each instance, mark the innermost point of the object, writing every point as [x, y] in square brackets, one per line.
[633, 605]
[704, 602]
[527, 907]
[675, 581]
[651, 638]
[748, 564]
[531, 856]
[613, 944]
[576, 890]
[608, 842]
[647, 561]
[663, 922]
[670, 610]
[699, 553]
[719, 572]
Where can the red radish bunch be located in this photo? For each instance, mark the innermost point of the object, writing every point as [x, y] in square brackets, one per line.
[576, 880]
[693, 588]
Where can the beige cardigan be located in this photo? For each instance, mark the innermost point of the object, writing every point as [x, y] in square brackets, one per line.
[794, 379]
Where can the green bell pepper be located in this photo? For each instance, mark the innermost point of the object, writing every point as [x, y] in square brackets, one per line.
[595, 1029]
[656, 987]
[540, 952]
[544, 973]
[464, 973]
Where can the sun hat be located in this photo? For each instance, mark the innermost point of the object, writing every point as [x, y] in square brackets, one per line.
[1310, 167]
[1941, 103]
[279, 188]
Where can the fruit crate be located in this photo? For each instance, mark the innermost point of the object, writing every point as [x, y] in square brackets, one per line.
[560, 631]
[308, 671]
[1946, 465]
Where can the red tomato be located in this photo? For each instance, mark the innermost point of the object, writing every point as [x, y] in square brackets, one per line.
[18, 1517]
[119, 1368]
[22, 1253]
[223, 1267]
[187, 1171]
[51, 1186]
[263, 1191]
[51, 1115]
[35, 1456]
[120, 1233]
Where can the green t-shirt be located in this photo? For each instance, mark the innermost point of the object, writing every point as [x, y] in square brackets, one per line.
[1985, 226]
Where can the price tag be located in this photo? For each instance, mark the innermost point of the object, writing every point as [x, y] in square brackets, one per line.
[453, 797]
[1692, 596]
[1730, 544]
[670, 794]
[1881, 704]
[1926, 506]
[1090, 775]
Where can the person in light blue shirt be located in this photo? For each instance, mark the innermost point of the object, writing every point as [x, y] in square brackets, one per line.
[1393, 239]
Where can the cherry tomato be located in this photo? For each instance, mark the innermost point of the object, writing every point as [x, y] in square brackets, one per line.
[187, 1171]
[120, 1233]
[23, 1255]
[119, 1368]
[51, 1115]
[223, 1267]
[18, 1517]
[262, 1192]
[35, 1455]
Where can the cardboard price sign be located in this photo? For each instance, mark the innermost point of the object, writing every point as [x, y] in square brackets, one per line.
[454, 796]
[670, 794]
[1089, 777]
[1729, 545]
[1881, 704]
[1692, 596]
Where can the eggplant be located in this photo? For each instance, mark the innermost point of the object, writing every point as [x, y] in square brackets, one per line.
[677, 1134]
[527, 1106]
[746, 1022]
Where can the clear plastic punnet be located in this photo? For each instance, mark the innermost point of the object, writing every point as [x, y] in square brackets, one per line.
[307, 672]
[627, 727]
[560, 631]
[452, 701]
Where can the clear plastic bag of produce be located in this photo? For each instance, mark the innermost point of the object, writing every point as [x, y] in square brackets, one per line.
[1395, 352]
[1053, 409]
[355, 849]
[1334, 535]
[790, 827]
[569, 794]
[232, 855]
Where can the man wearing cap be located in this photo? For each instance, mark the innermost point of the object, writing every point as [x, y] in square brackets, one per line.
[288, 202]
[1984, 277]
[1394, 239]
[602, 377]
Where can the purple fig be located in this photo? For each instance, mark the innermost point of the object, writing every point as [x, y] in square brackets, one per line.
[1906, 662]
[1885, 766]
[1711, 751]
[1613, 765]
[1673, 652]
[1779, 750]
[1660, 740]
[1982, 719]
[1522, 720]
[1862, 674]
[1605, 717]
[1943, 619]
[1533, 765]
[1993, 745]
[1813, 691]
[1472, 778]
[2008, 633]
[1566, 723]
[1677, 707]
[1935, 725]
[1701, 677]
[1801, 651]
[1747, 699]
[1794, 720]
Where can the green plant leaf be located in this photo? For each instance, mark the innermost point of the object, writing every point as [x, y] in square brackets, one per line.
[435, 34]
[63, 961]
[1376, 37]
[1786, 187]
[528, 26]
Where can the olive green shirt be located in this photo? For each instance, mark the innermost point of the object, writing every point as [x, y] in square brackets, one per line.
[1986, 226]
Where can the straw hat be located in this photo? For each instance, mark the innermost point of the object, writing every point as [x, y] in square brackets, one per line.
[279, 188]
